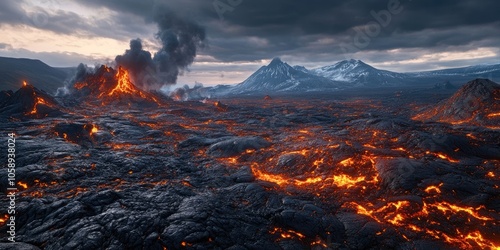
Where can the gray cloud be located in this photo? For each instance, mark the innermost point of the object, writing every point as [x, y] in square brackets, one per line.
[55, 59]
[114, 25]
[317, 29]
[301, 31]
[11, 12]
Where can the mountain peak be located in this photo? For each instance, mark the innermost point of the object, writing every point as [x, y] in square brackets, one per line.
[353, 62]
[483, 83]
[279, 76]
[275, 61]
[478, 88]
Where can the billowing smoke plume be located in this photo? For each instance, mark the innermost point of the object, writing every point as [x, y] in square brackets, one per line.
[139, 63]
[180, 41]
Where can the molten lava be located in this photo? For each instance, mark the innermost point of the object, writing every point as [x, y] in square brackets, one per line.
[111, 85]
[39, 101]
[94, 129]
[124, 84]
[355, 182]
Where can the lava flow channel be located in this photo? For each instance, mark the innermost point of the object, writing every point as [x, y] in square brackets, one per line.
[355, 182]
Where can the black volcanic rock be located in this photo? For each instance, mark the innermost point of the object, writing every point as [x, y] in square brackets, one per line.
[29, 102]
[4, 95]
[477, 102]
[77, 133]
[235, 146]
[17, 246]
[339, 175]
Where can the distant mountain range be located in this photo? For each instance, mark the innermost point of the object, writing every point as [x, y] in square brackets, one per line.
[13, 71]
[358, 73]
[277, 77]
[280, 77]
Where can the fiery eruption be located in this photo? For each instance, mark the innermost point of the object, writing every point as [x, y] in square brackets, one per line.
[113, 86]
[124, 84]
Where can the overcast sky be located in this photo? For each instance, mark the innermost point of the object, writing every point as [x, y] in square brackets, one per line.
[243, 35]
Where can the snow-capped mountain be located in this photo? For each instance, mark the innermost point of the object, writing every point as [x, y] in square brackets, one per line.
[301, 68]
[358, 73]
[278, 76]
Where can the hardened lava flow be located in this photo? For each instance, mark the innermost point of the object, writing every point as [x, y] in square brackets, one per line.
[112, 166]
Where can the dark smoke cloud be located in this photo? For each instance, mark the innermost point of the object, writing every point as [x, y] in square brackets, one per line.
[139, 63]
[135, 59]
[180, 40]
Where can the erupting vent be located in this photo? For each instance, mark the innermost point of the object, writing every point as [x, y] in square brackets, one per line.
[113, 86]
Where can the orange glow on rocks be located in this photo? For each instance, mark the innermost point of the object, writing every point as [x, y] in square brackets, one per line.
[22, 184]
[347, 181]
[280, 180]
[39, 101]
[94, 129]
[433, 189]
[124, 84]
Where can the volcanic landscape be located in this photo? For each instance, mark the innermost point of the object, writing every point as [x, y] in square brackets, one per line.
[114, 167]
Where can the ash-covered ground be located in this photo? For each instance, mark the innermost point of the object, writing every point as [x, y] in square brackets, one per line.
[349, 170]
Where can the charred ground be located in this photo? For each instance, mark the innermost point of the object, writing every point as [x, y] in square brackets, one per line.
[346, 170]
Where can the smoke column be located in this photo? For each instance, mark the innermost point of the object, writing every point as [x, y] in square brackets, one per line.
[138, 62]
[180, 40]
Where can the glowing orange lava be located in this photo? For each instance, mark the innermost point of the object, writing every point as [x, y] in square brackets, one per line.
[22, 184]
[94, 129]
[435, 189]
[347, 181]
[124, 84]
[39, 101]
